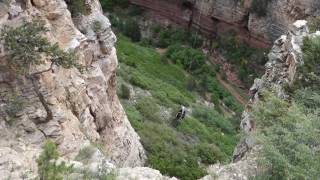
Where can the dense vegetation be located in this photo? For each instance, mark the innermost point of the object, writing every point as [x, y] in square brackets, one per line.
[289, 130]
[259, 7]
[245, 60]
[176, 149]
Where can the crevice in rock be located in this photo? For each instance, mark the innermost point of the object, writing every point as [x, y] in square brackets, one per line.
[41, 97]
[44, 134]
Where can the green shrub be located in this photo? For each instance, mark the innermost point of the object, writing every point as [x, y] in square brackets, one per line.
[135, 10]
[124, 92]
[174, 149]
[190, 59]
[314, 23]
[310, 70]
[48, 168]
[85, 154]
[77, 7]
[167, 152]
[96, 26]
[131, 29]
[149, 108]
[15, 105]
[26, 47]
[139, 80]
[109, 5]
[259, 7]
[210, 154]
[211, 118]
[288, 135]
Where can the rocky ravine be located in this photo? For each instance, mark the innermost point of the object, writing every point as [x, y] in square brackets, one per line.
[74, 109]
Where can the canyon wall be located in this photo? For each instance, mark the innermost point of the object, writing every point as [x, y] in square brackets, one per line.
[285, 58]
[212, 17]
[71, 107]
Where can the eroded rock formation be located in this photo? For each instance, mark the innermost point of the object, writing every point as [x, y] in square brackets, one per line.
[281, 71]
[218, 16]
[66, 105]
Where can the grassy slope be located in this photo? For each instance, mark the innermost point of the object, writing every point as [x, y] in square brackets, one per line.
[206, 136]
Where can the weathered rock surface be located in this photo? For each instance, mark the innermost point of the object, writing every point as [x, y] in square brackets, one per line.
[219, 16]
[75, 107]
[281, 71]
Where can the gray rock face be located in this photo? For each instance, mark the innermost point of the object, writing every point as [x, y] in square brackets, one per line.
[219, 16]
[284, 58]
[74, 107]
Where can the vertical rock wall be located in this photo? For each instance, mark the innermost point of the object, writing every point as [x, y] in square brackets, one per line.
[70, 107]
[218, 16]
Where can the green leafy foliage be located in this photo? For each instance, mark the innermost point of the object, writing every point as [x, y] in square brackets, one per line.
[314, 23]
[48, 168]
[127, 26]
[259, 7]
[15, 105]
[244, 59]
[311, 67]
[27, 47]
[109, 5]
[289, 135]
[175, 149]
[77, 7]
[124, 92]
[190, 59]
[164, 37]
[96, 26]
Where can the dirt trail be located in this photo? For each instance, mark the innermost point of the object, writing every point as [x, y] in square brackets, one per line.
[233, 92]
[225, 84]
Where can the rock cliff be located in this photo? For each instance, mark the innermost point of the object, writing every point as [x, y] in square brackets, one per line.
[66, 105]
[285, 58]
[218, 16]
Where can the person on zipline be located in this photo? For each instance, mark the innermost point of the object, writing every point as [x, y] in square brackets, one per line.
[181, 114]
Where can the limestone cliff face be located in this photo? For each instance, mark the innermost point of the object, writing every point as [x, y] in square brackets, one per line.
[70, 107]
[218, 16]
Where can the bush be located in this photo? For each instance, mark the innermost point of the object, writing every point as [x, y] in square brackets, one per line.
[259, 7]
[190, 59]
[131, 29]
[289, 136]
[310, 70]
[139, 80]
[26, 47]
[77, 7]
[109, 5]
[96, 26]
[125, 92]
[167, 152]
[210, 154]
[48, 168]
[212, 119]
[15, 105]
[149, 108]
[85, 154]
[314, 23]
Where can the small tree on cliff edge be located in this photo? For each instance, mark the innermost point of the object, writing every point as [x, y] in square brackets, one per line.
[48, 168]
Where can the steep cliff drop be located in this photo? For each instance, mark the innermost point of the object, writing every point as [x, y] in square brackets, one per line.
[71, 107]
[281, 71]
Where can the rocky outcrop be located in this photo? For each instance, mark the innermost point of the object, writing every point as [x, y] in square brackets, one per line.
[219, 16]
[281, 72]
[66, 105]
